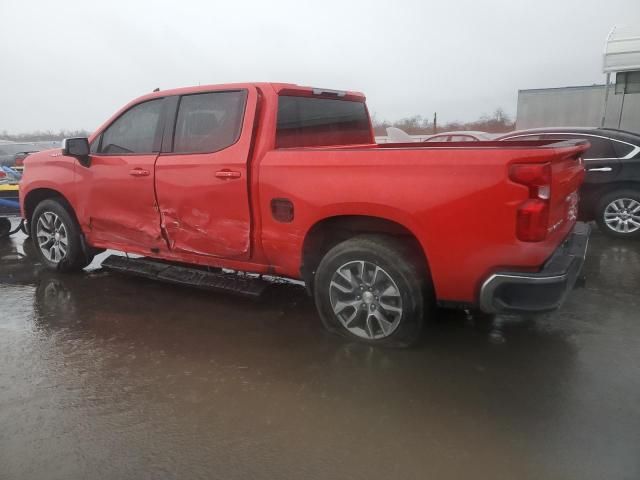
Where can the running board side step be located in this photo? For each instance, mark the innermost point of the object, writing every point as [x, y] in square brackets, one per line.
[194, 277]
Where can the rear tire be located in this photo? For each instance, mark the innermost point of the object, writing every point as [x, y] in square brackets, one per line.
[618, 214]
[57, 238]
[373, 289]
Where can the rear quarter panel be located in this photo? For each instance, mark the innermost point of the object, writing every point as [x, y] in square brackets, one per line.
[458, 202]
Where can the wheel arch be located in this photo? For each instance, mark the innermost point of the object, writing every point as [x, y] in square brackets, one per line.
[592, 198]
[330, 231]
[38, 195]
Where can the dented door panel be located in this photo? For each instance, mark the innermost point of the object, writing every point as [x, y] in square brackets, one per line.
[119, 201]
[203, 198]
[205, 220]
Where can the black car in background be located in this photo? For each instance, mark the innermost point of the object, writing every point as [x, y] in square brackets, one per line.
[611, 192]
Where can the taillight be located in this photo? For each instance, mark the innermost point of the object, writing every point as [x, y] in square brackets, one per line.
[532, 221]
[2, 174]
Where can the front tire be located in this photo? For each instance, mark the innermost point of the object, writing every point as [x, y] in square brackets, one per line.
[373, 289]
[618, 214]
[57, 238]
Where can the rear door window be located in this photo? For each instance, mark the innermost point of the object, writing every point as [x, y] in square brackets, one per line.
[462, 138]
[311, 122]
[209, 122]
[600, 147]
[622, 149]
[439, 138]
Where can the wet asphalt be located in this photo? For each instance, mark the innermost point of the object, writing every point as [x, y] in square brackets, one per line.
[109, 377]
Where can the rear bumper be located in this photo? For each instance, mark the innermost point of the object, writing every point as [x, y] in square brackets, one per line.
[517, 292]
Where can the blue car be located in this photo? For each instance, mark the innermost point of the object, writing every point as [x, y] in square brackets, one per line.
[9, 186]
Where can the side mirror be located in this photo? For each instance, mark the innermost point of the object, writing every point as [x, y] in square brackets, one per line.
[77, 147]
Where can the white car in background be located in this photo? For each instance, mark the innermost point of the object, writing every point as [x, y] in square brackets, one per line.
[397, 135]
[461, 136]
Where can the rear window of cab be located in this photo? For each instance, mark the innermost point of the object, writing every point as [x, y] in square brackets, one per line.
[314, 122]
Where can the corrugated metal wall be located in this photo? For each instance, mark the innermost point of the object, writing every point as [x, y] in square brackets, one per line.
[576, 107]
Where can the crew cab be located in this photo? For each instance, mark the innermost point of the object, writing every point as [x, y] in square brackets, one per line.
[287, 180]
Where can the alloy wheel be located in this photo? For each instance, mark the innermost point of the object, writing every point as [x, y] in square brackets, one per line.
[52, 237]
[366, 300]
[623, 215]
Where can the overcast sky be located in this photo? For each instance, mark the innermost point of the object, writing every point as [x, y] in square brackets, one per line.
[71, 64]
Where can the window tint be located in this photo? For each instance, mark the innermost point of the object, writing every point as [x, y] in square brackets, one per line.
[93, 148]
[600, 147]
[622, 149]
[208, 122]
[308, 122]
[439, 138]
[462, 138]
[134, 131]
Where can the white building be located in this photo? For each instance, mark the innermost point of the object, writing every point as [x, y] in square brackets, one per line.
[617, 106]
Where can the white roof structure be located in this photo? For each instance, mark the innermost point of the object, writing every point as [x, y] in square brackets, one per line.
[622, 50]
[398, 135]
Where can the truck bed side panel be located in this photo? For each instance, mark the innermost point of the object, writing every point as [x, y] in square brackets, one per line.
[458, 203]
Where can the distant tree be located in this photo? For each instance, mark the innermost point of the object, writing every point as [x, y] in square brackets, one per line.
[415, 125]
[498, 122]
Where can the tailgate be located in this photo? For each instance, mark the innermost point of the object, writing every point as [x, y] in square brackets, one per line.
[567, 175]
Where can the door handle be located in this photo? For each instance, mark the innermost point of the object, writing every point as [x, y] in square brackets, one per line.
[227, 174]
[139, 172]
[600, 169]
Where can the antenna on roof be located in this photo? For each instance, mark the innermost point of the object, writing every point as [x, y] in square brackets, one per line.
[156, 89]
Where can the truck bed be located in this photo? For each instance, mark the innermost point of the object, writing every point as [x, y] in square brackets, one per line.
[455, 198]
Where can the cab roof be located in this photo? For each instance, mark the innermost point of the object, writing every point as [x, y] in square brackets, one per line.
[278, 88]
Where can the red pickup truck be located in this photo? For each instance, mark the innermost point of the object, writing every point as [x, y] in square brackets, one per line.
[287, 180]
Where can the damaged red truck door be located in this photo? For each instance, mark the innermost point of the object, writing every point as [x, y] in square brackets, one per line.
[118, 200]
[185, 192]
[202, 176]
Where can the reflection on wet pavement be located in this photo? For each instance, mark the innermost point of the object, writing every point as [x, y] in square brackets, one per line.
[104, 376]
